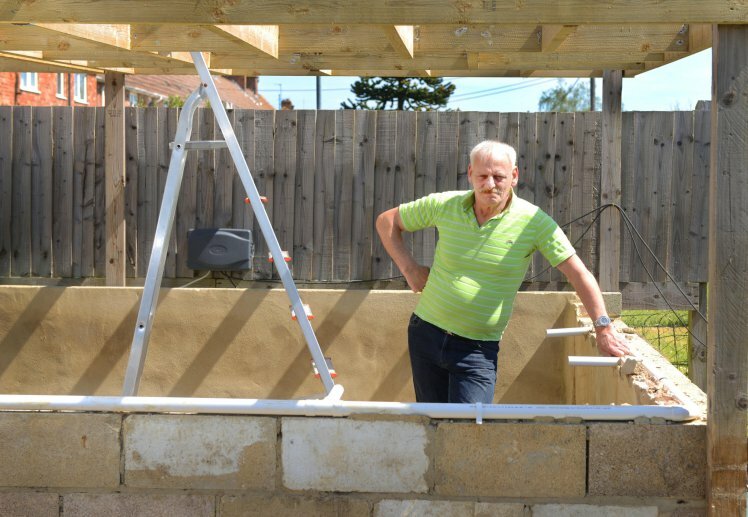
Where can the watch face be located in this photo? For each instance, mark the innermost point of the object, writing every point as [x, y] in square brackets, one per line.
[602, 321]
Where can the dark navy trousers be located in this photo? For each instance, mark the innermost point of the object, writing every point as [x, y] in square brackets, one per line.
[450, 368]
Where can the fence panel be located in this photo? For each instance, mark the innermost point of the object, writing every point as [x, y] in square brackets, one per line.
[327, 175]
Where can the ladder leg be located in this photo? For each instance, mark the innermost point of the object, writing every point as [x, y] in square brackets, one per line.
[142, 333]
[262, 219]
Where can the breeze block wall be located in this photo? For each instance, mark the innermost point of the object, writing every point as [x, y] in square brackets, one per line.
[78, 464]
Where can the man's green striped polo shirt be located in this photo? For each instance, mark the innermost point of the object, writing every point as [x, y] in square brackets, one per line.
[477, 270]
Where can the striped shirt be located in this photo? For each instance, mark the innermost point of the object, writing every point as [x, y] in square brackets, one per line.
[477, 270]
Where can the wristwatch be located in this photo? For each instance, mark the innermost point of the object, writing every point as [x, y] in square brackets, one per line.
[602, 321]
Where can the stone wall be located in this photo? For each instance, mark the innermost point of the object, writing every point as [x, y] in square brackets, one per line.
[78, 464]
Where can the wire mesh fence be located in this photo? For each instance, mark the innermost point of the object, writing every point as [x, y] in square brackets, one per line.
[666, 331]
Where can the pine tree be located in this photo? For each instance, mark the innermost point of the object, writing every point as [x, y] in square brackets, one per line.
[401, 93]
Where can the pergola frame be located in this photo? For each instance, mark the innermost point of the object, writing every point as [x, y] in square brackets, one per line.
[488, 38]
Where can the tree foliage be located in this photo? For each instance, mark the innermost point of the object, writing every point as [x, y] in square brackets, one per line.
[563, 97]
[400, 93]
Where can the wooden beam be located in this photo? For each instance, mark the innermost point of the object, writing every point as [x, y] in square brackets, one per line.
[610, 182]
[114, 177]
[699, 37]
[373, 11]
[557, 60]
[697, 340]
[402, 39]
[552, 36]
[114, 35]
[14, 62]
[261, 37]
[727, 353]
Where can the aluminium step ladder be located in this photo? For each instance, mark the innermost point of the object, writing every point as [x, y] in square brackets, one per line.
[207, 90]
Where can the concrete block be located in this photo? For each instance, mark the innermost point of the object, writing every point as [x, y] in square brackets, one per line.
[203, 452]
[29, 504]
[510, 460]
[588, 510]
[142, 505]
[501, 510]
[647, 460]
[354, 456]
[59, 450]
[423, 508]
[291, 506]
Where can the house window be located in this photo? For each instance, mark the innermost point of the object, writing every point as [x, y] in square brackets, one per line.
[30, 82]
[133, 99]
[61, 86]
[79, 89]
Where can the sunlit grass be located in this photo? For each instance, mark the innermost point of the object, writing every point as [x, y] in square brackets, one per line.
[665, 331]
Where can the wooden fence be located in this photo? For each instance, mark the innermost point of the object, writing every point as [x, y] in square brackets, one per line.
[328, 173]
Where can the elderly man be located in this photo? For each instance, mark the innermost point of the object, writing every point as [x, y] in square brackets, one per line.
[487, 236]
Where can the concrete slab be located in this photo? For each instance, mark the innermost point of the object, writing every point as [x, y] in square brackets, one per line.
[647, 460]
[261, 506]
[191, 451]
[586, 510]
[423, 508]
[79, 450]
[510, 460]
[29, 504]
[142, 505]
[354, 456]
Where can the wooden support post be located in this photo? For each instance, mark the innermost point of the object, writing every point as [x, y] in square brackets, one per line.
[610, 187]
[114, 94]
[697, 340]
[727, 355]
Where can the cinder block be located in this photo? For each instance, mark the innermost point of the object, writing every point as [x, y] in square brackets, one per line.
[501, 510]
[291, 506]
[59, 450]
[29, 504]
[588, 510]
[203, 452]
[510, 460]
[142, 505]
[354, 456]
[647, 460]
[423, 508]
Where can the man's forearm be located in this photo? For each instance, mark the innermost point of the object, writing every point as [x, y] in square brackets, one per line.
[392, 238]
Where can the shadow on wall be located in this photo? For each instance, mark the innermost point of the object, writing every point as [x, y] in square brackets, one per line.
[221, 338]
[337, 318]
[26, 324]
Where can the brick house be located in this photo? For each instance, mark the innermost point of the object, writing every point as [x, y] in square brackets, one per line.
[49, 89]
[71, 89]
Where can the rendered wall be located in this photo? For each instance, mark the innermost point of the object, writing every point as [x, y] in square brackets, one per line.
[242, 343]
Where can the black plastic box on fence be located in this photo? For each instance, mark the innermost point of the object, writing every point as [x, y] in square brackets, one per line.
[220, 249]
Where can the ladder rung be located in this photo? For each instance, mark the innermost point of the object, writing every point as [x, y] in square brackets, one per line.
[262, 199]
[307, 311]
[202, 145]
[286, 256]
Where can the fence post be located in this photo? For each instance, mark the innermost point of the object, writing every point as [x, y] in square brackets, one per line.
[114, 173]
[697, 340]
[610, 182]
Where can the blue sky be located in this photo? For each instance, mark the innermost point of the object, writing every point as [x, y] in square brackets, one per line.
[678, 85]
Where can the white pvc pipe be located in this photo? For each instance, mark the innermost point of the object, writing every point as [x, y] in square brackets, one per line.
[572, 331]
[335, 408]
[593, 360]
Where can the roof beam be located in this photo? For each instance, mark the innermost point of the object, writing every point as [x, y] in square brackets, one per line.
[552, 36]
[402, 38]
[12, 62]
[261, 37]
[374, 11]
[114, 35]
